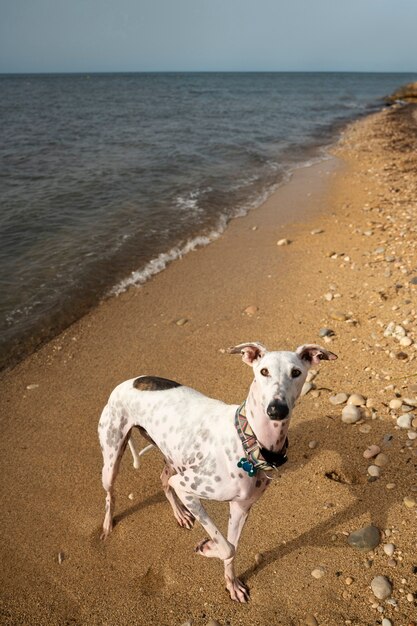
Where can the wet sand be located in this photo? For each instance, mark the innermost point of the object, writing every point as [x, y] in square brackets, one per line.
[362, 200]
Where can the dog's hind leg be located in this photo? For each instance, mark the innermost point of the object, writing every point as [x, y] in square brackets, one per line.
[239, 511]
[183, 516]
[114, 433]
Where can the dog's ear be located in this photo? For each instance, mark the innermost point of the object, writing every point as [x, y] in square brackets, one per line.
[314, 354]
[250, 352]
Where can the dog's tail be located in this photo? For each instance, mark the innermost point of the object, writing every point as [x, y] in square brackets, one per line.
[136, 455]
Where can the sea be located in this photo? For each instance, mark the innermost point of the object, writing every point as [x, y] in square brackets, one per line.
[107, 178]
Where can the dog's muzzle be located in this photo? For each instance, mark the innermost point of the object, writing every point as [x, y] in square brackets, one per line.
[278, 410]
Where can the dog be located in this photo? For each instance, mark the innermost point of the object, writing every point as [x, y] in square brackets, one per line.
[212, 450]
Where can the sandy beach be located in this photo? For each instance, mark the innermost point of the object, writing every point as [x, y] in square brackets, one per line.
[350, 265]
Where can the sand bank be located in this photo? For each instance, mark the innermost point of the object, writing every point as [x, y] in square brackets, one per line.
[348, 267]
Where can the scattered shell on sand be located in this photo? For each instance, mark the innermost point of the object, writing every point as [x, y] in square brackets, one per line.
[404, 421]
[374, 470]
[306, 388]
[339, 398]
[60, 558]
[250, 310]
[381, 460]
[318, 573]
[317, 231]
[30, 387]
[182, 321]
[395, 403]
[356, 399]
[283, 242]
[409, 502]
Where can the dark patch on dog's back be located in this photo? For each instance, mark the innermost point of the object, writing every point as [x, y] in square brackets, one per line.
[154, 383]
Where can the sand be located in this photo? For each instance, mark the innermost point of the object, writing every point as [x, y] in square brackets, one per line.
[54, 568]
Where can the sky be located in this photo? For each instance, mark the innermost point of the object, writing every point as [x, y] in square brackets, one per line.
[208, 35]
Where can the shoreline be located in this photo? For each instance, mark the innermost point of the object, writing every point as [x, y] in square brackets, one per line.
[241, 287]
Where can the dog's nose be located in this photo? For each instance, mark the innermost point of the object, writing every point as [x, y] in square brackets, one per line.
[277, 410]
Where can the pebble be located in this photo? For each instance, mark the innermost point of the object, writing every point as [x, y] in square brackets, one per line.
[213, 622]
[189, 622]
[318, 573]
[317, 231]
[381, 587]
[410, 597]
[181, 321]
[409, 502]
[30, 387]
[283, 242]
[348, 580]
[365, 429]
[404, 421]
[371, 451]
[396, 403]
[306, 388]
[60, 558]
[412, 435]
[328, 296]
[392, 563]
[413, 281]
[338, 316]
[386, 622]
[356, 399]
[405, 342]
[251, 310]
[131, 496]
[351, 414]
[389, 549]
[311, 620]
[374, 470]
[364, 539]
[259, 558]
[339, 398]
[381, 460]
[326, 332]
[390, 486]
[312, 445]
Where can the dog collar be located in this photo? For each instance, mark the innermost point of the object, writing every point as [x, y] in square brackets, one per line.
[257, 458]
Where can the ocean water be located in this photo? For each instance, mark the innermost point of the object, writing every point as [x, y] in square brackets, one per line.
[106, 178]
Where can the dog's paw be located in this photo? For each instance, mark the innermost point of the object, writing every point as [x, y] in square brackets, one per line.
[239, 592]
[184, 518]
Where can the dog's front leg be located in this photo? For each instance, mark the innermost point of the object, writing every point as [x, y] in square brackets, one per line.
[218, 546]
[239, 511]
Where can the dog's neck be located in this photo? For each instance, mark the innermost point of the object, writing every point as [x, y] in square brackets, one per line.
[271, 434]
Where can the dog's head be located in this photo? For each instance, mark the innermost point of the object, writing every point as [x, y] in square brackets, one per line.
[279, 376]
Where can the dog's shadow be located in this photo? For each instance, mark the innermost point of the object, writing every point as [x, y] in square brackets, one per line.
[371, 498]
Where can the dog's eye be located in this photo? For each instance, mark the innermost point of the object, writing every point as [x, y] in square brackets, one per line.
[295, 373]
[264, 372]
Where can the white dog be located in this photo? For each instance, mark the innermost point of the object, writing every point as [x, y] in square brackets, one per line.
[212, 450]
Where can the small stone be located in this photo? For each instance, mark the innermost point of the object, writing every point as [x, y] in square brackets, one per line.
[311, 620]
[381, 460]
[250, 310]
[374, 471]
[351, 414]
[390, 486]
[389, 549]
[404, 421]
[409, 502]
[326, 332]
[328, 296]
[182, 321]
[401, 356]
[381, 587]
[318, 573]
[131, 496]
[410, 597]
[396, 403]
[392, 563]
[386, 622]
[348, 580]
[312, 445]
[365, 428]
[412, 435]
[30, 387]
[338, 316]
[259, 558]
[213, 622]
[413, 281]
[283, 242]
[60, 558]
[405, 342]
[371, 451]
[317, 231]
[356, 399]
[306, 388]
[364, 539]
[339, 398]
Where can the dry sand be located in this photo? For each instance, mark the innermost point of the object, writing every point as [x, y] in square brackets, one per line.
[363, 199]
